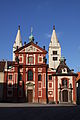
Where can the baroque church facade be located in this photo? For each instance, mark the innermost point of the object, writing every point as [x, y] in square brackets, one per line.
[28, 78]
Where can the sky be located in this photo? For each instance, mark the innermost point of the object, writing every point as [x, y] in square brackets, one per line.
[42, 15]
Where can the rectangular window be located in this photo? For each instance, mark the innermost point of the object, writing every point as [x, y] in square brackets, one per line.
[54, 52]
[10, 77]
[54, 58]
[39, 77]
[50, 77]
[30, 59]
[30, 75]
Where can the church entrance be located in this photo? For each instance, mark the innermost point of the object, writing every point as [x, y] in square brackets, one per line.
[65, 96]
[30, 96]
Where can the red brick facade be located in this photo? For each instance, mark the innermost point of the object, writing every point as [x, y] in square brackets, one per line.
[30, 80]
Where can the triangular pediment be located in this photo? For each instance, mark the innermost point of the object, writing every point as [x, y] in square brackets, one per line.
[31, 47]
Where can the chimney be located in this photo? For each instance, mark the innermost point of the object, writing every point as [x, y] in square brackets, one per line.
[36, 43]
[44, 47]
[25, 43]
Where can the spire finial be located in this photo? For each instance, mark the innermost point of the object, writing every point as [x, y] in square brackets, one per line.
[53, 27]
[31, 30]
[19, 27]
[31, 37]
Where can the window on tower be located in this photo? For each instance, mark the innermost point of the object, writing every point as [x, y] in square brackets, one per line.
[54, 58]
[54, 52]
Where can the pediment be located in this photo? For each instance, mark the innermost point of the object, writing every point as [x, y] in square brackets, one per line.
[31, 47]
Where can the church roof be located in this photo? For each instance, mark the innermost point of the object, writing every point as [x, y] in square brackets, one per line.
[18, 40]
[61, 66]
[31, 37]
[78, 77]
[54, 39]
[33, 44]
[63, 69]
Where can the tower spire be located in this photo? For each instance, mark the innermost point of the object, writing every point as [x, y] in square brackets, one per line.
[19, 27]
[31, 30]
[53, 27]
[31, 37]
[54, 50]
[18, 42]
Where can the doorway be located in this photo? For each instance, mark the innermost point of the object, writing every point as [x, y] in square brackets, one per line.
[65, 96]
[30, 96]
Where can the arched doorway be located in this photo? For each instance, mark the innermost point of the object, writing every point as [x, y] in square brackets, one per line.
[65, 96]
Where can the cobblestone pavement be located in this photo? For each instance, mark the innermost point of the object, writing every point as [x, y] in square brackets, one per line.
[24, 111]
[31, 105]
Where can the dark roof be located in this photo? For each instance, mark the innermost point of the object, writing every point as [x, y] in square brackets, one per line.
[61, 66]
[10, 63]
[2, 64]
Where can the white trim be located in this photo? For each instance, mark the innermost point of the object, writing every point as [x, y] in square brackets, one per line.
[38, 93]
[52, 95]
[40, 56]
[38, 85]
[50, 87]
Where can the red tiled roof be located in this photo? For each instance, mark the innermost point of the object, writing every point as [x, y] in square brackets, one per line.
[78, 78]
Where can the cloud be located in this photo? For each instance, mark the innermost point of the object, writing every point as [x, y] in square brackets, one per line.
[59, 34]
[48, 35]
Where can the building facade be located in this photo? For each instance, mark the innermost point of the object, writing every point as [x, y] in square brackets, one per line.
[28, 78]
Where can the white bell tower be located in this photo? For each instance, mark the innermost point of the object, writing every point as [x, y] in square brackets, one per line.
[54, 51]
[17, 43]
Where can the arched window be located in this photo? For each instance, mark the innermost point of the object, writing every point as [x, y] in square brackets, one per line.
[64, 83]
[30, 75]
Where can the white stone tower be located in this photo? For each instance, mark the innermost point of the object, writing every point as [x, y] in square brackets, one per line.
[17, 43]
[54, 51]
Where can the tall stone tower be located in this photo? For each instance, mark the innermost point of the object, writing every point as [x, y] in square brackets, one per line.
[54, 51]
[17, 43]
